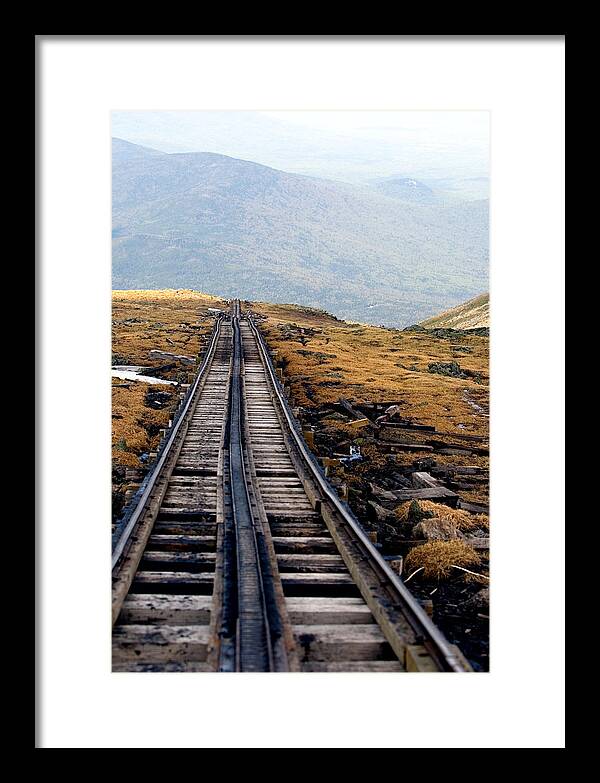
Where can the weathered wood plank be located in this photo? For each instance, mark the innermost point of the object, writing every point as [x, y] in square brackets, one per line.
[464, 436]
[180, 541]
[316, 579]
[436, 494]
[352, 666]
[423, 480]
[406, 425]
[289, 516]
[192, 561]
[474, 508]
[394, 447]
[166, 609]
[159, 643]
[310, 563]
[304, 544]
[191, 666]
[169, 581]
[341, 643]
[328, 611]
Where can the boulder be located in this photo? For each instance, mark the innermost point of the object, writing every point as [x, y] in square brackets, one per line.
[435, 529]
[480, 602]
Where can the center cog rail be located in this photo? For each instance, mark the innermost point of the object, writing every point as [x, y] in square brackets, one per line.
[251, 622]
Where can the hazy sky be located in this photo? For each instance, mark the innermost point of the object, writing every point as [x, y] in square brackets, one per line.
[356, 146]
[472, 127]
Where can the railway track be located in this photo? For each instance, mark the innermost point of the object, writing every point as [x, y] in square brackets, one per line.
[239, 555]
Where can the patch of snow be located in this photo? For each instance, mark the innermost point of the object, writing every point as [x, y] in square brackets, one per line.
[127, 375]
[128, 368]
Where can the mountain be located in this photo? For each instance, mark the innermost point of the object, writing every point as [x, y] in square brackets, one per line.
[422, 145]
[473, 314]
[237, 228]
[406, 189]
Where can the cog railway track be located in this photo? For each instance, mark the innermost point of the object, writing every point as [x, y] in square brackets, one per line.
[239, 556]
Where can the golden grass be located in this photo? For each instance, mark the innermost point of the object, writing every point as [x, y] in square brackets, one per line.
[470, 315]
[436, 558]
[132, 423]
[369, 363]
[166, 320]
[460, 519]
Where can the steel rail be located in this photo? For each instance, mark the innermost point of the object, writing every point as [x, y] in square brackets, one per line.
[122, 540]
[422, 625]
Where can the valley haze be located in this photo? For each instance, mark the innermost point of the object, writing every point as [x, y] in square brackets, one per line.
[395, 252]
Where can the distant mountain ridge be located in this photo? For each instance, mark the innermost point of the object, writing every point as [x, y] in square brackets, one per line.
[406, 189]
[238, 228]
[474, 314]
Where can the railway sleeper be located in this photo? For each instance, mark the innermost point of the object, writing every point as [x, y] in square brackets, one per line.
[326, 585]
[157, 609]
[173, 583]
[173, 538]
[328, 611]
[184, 471]
[311, 545]
[352, 666]
[160, 643]
[341, 643]
[178, 504]
[186, 515]
[190, 666]
[194, 562]
[307, 518]
[310, 563]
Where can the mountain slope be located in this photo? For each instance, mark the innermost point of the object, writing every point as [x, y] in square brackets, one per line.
[237, 228]
[473, 314]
